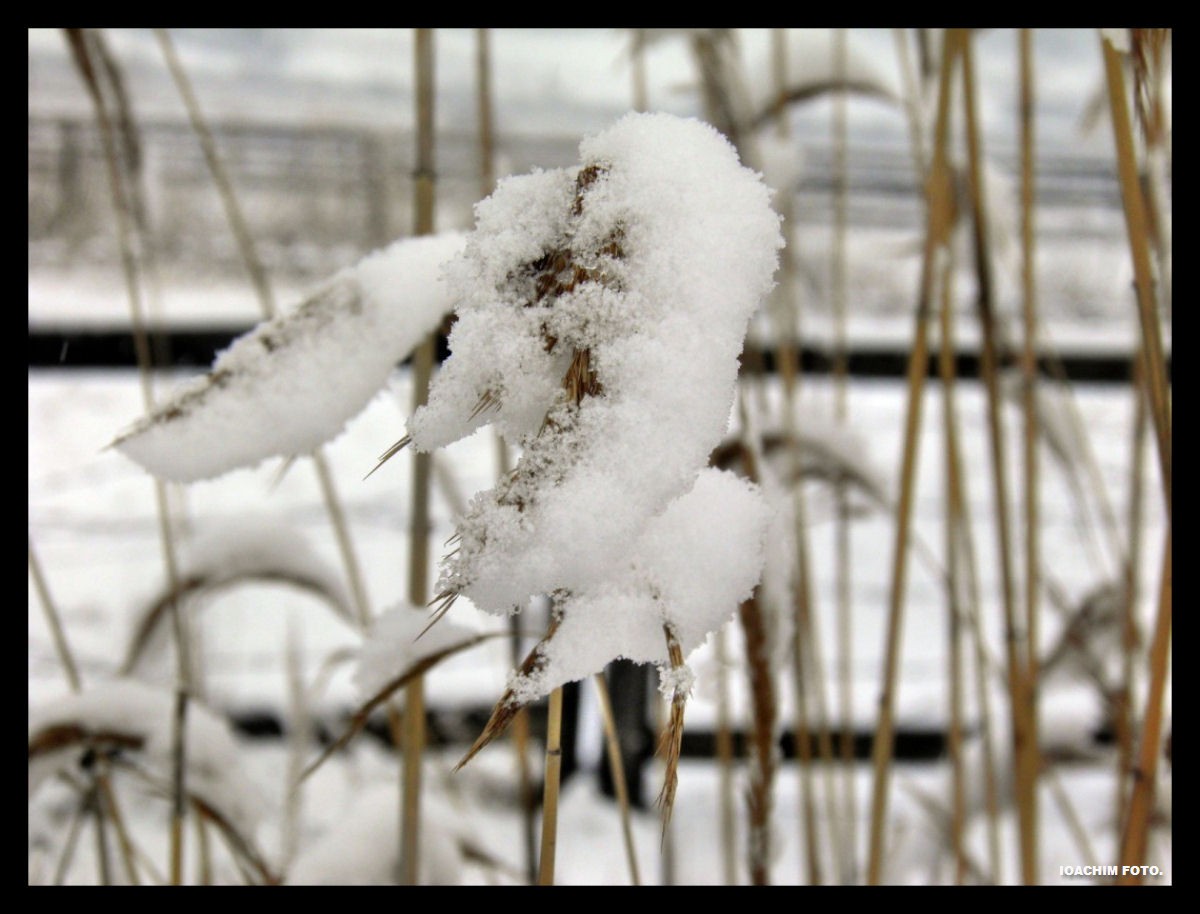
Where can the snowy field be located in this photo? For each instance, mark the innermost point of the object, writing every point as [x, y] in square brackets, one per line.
[92, 517]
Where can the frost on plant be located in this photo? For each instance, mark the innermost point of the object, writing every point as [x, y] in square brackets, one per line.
[601, 311]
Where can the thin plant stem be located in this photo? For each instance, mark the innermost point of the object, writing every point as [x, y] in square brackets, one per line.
[667, 844]
[1024, 739]
[1137, 227]
[1029, 377]
[204, 847]
[938, 218]
[233, 211]
[67, 855]
[81, 42]
[1083, 844]
[612, 740]
[912, 103]
[954, 612]
[103, 863]
[550, 792]
[1129, 628]
[724, 746]
[963, 554]
[637, 53]
[816, 666]
[54, 622]
[108, 797]
[1141, 802]
[418, 570]
[483, 99]
[842, 555]
[803, 731]
[299, 733]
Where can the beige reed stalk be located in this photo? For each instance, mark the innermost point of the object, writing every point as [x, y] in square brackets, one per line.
[1125, 723]
[54, 621]
[1029, 377]
[940, 189]
[847, 854]
[724, 748]
[1145, 775]
[550, 789]
[1024, 745]
[1133, 844]
[616, 766]
[960, 554]
[81, 43]
[806, 662]
[1138, 228]
[954, 610]
[418, 558]
[637, 53]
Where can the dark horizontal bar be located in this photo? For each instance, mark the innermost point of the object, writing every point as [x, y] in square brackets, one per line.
[110, 348]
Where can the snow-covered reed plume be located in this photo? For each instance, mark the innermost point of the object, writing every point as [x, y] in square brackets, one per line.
[601, 310]
[293, 382]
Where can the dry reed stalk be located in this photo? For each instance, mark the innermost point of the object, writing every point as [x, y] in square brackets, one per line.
[759, 799]
[418, 558]
[1083, 844]
[299, 733]
[912, 103]
[816, 665]
[1138, 231]
[483, 99]
[107, 798]
[233, 211]
[954, 608]
[82, 44]
[204, 847]
[724, 746]
[520, 738]
[637, 53]
[961, 555]
[612, 742]
[671, 742]
[550, 789]
[359, 718]
[1123, 717]
[103, 864]
[788, 318]
[847, 855]
[1141, 802]
[803, 740]
[938, 215]
[53, 621]
[244, 852]
[506, 708]
[1023, 735]
[67, 855]
[1029, 377]
[666, 863]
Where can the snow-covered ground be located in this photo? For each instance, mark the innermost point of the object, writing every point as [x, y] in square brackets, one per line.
[92, 521]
